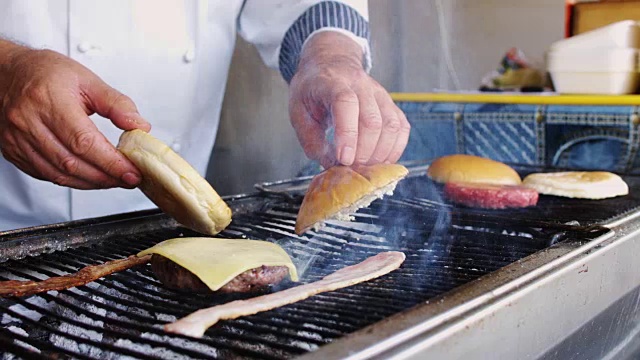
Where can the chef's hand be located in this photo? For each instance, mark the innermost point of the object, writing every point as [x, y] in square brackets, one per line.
[45, 129]
[331, 89]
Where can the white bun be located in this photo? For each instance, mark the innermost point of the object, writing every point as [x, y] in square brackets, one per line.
[462, 168]
[578, 184]
[339, 191]
[174, 185]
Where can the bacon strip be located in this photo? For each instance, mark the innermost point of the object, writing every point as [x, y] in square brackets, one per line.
[82, 277]
[198, 322]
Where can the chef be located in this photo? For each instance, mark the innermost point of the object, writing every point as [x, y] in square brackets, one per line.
[75, 73]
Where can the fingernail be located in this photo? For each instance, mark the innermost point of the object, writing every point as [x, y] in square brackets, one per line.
[136, 119]
[347, 155]
[131, 179]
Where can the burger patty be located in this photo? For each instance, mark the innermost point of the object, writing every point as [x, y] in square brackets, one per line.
[177, 277]
[490, 196]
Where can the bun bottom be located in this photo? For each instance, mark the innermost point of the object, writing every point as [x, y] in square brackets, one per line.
[593, 185]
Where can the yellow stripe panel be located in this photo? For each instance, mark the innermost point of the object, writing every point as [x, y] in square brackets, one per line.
[503, 98]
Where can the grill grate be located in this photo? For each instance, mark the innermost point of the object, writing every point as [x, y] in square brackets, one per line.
[122, 314]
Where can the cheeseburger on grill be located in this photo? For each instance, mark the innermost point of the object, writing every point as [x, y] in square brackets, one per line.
[201, 264]
[479, 182]
[339, 191]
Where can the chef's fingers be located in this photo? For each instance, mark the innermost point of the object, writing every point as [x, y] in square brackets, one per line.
[391, 126]
[80, 135]
[49, 146]
[310, 133]
[115, 106]
[345, 110]
[328, 160]
[33, 163]
[401, 140]
[10, 149]
[369, 126]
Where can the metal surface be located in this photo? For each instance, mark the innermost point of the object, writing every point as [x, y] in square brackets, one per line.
[460, 263]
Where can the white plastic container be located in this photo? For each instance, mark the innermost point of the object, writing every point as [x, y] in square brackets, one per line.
[622, 34]
[614, 71]
[602, 61]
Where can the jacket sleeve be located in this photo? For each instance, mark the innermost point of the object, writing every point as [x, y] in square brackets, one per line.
[280, 28]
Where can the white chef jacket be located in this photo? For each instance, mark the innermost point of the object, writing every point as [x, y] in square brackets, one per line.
[171, 57]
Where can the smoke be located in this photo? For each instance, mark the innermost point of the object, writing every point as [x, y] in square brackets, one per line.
[418, 222]
[413, 220]
[302, 257]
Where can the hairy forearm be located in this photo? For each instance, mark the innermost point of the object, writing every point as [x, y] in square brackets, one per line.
[331, 48]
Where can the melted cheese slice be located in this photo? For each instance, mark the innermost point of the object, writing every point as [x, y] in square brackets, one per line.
[217, 261]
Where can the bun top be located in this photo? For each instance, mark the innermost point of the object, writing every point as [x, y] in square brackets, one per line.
[344, 189]
[329, 192]
[472, 169]
[381, 175]
[174, 185]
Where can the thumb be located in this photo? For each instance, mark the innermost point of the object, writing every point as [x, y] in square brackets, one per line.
[115, 106]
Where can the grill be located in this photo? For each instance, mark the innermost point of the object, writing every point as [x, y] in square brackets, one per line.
[449, 249]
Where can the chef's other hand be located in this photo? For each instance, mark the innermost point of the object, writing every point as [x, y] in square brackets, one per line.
[45, 129]
[331, 89]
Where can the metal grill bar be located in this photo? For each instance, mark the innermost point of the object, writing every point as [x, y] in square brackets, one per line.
[172, 311]
[78, 339]
[131, 325]
[9, 340]
[73, 257]
[106, 331]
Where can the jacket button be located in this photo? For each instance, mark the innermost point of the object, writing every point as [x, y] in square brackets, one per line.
[176, 147]
[85, 47]
[189, 56]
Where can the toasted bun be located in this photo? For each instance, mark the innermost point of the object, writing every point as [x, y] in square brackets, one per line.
[341, 190]
[381, 175]
[578, 184]
[329, 192]
[174, 185]
[472, 169]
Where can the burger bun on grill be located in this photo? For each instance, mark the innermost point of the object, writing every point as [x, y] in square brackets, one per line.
[174, 185]
[339, 191]
[381, 175]
[461, 168]
[578, 184]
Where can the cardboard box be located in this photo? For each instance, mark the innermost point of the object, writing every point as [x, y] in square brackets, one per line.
[586, 16]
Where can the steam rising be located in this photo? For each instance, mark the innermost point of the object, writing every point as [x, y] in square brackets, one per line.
[390, 223]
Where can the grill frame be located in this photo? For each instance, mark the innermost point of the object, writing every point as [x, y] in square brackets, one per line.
[468, 322]
[84, 232]
[409, 334]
